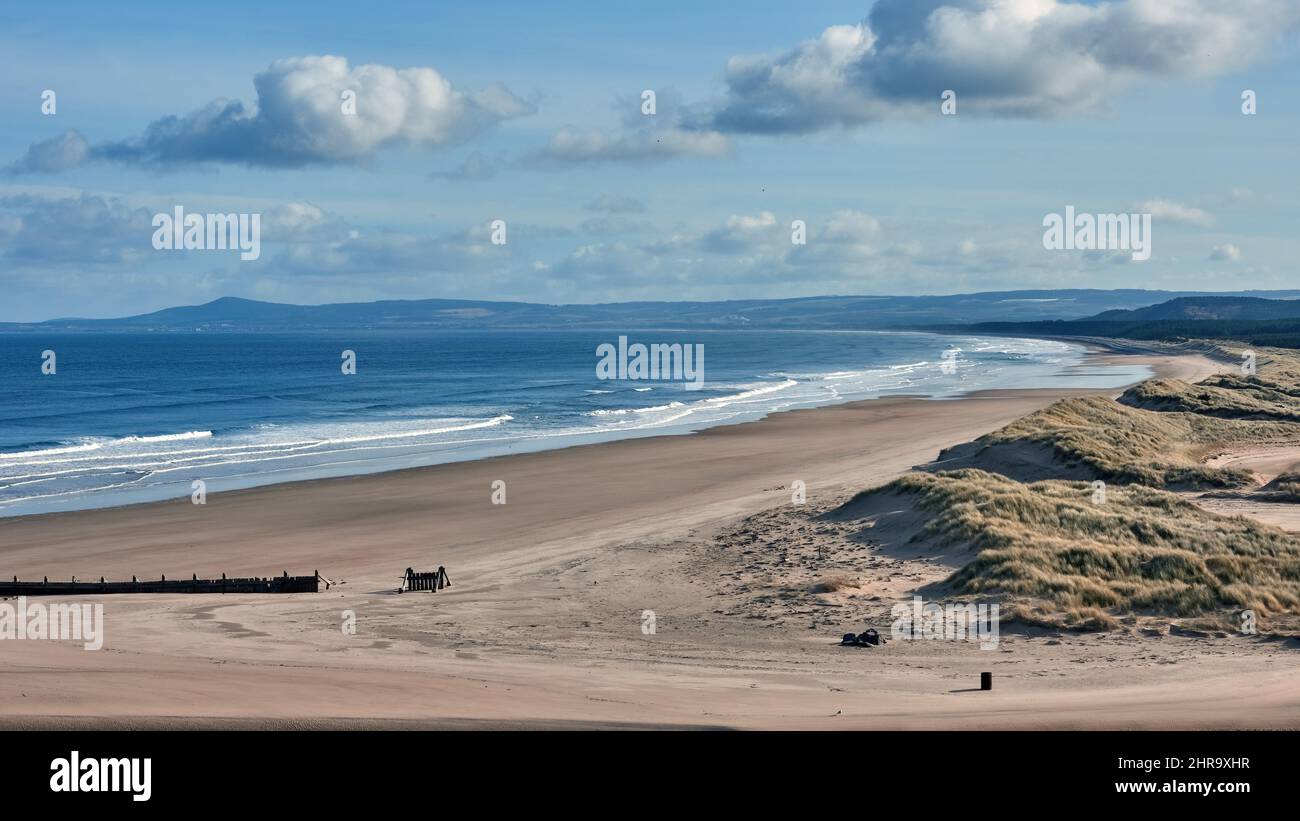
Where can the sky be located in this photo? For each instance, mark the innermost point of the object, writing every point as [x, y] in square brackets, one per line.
[829, 115]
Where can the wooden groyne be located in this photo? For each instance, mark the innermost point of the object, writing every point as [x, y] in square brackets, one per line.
[271, 584]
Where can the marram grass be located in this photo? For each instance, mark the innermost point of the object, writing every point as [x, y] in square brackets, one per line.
[1161, 430]
[1058, 557]
[1055, 556]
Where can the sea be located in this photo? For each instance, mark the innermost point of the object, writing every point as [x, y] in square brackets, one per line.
[135, 417]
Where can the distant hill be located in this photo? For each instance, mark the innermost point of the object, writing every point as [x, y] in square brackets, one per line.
[1275, 333]
[231, 314]
[1253, 320]
[1207, 307]
[1278, 333]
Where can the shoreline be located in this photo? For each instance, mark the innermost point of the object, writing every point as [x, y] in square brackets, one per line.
[543, 626]
[1094, 352]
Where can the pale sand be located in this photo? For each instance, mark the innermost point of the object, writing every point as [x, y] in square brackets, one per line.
[1267, 463]
[542, 626]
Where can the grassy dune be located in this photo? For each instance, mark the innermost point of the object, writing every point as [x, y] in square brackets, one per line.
[1157, 434]
[1229, 397]
[1095, 437]
[1056, 557]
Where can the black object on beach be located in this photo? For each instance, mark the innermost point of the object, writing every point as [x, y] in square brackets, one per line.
[869, 638]
[281, 584]
[432, 581]
[986, 681]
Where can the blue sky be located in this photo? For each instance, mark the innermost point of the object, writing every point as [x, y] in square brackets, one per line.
[826, 112]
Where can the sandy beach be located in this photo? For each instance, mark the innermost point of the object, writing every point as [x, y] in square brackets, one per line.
[542, 626]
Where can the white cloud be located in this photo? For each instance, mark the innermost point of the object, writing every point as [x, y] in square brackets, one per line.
[86, 229]
[299, 119]
[1226, 252]
[68, 150]
[741, 233]
[1166, 211]
[1022, 58]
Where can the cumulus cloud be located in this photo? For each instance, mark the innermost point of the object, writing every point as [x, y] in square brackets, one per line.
[845, 238]
[1003, 58]
[1226, 253]
[68, 150]
[850, 227]
[1166, 211]
[673, 130]
[846, 252]
[602, 264]
[86, 229]
[740, 233]
[301, 222]
[97, 229]
[1021, 58]
[299, 120]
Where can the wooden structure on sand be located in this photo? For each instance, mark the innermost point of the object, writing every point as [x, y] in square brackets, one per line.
[432, 581]
[272, 584]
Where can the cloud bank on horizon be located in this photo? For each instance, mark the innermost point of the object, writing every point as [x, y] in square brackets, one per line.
[702, 223]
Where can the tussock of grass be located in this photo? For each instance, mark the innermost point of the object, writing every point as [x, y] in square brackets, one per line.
[1071, 618]
[831, 584]
[1060, 559]
[1284, 488]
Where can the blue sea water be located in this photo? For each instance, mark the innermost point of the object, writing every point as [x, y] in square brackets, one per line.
[133, 417]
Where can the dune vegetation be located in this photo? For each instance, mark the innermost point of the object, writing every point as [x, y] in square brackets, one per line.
[1158, 434]
[1060, 554]
[1060, 557]
[1097, 438]
[1230, 397]
[1284, 488]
